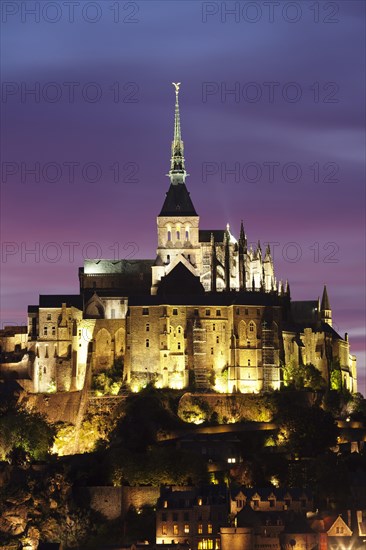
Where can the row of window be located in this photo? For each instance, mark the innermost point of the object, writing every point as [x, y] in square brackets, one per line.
[272, 501]
[45, 331]
[145, 311]
[186, 528]
[246, 311]
[178, 233]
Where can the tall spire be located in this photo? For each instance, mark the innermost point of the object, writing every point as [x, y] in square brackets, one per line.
[325, 309]
[177, 171]
[325, 300]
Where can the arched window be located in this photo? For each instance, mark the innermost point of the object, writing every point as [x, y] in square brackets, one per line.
[252, 333]
[242, 333]
[178, 232]
[169, 233]
[187, 233]
[147, 343]
[248, 362]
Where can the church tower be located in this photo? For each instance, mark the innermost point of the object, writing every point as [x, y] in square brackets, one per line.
[178, 222]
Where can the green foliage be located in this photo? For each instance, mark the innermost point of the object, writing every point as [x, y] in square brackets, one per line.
[157, 466]
[303, 377]
[148, 416]
[335, 379]
[223, 409]
[27, 432]
[109, 381]
[344, 404]
[330, 479]
[42, 505]
[307, 431]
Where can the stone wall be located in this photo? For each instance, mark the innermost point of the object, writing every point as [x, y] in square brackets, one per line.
[114, 502]
[57, 407]
[106, 500]
[137, 497]
[225, 408]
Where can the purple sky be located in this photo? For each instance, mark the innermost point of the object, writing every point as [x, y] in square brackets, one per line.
[299, 88]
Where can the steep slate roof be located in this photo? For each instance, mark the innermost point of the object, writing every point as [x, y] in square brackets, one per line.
[178, 201]
[279, 493]
[180, 279]
[305, 311]
[212, 299]
[297, 524]
[111, 267]
[12, 330]
[56, 300]
[325, 299]
[247, 517]
[205, 235]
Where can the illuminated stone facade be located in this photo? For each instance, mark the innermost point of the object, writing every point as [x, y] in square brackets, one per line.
[207, 311]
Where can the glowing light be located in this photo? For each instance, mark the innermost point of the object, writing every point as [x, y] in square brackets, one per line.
[275, 481]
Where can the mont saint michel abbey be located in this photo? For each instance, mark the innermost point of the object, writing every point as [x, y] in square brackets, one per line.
[207, 311]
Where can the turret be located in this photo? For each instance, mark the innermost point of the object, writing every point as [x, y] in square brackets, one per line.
[213, 263]
[325, 310]
[227, 259]
[242, 253]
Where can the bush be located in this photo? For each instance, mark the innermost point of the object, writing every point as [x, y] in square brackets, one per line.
[109, 381]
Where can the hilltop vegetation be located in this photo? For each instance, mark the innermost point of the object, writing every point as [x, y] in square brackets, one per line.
[133, 444]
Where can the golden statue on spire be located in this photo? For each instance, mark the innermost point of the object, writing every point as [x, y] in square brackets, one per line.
[176, 86]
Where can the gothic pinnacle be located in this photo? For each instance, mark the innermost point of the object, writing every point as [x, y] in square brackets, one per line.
[177, 171]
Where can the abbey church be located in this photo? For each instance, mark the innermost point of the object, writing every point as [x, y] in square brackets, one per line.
[208, 312]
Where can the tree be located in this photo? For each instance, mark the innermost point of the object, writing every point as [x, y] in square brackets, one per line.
[157, 466]
[307, 431]
[27, 432]
[335, 375]
[303, 376]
